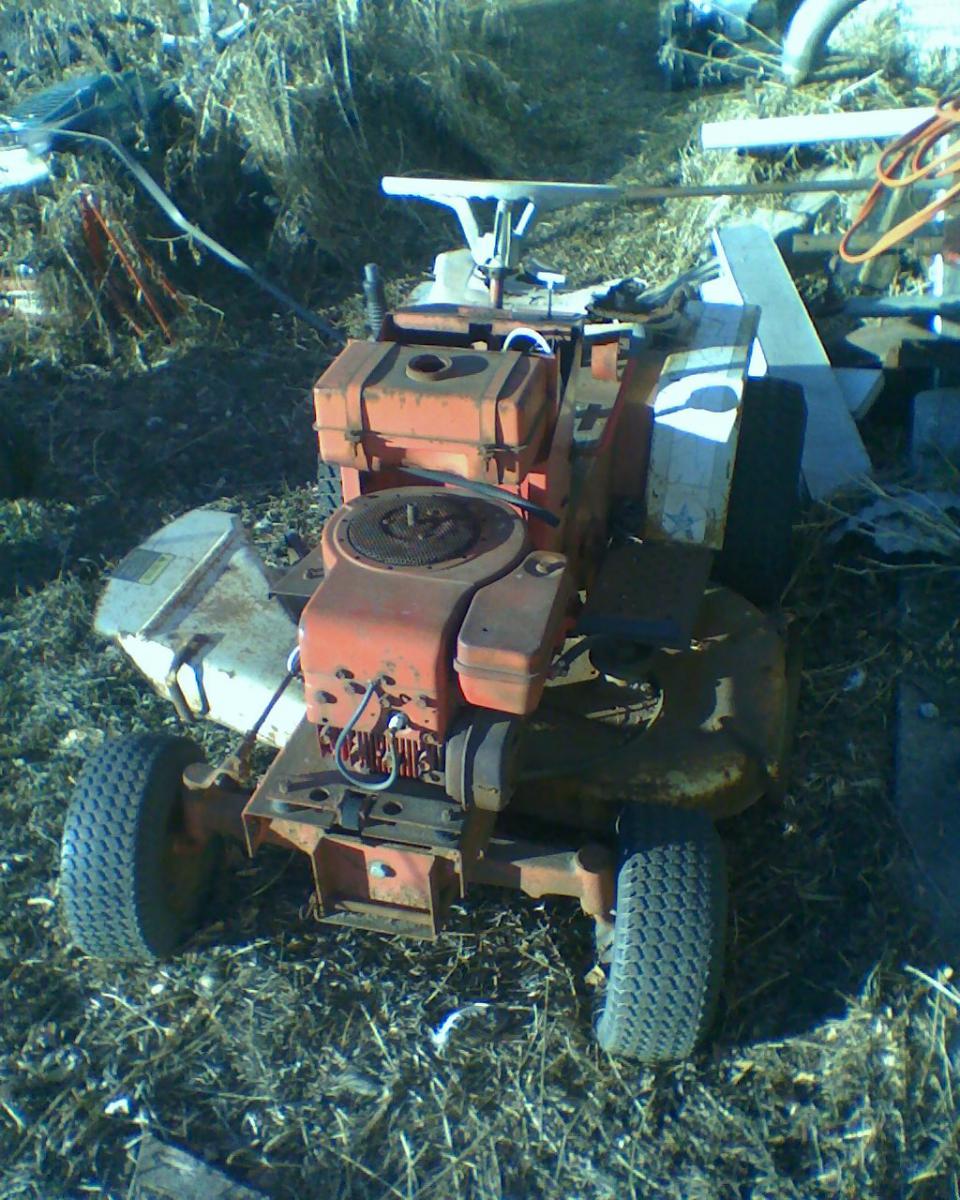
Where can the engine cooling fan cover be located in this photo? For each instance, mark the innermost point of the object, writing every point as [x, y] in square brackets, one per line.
[418, 530]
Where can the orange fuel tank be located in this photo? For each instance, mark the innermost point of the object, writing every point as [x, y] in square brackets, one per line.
[480, 415]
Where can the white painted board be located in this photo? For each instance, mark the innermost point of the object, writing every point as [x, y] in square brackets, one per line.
[696, 424]
[754, 133]
[834, 456]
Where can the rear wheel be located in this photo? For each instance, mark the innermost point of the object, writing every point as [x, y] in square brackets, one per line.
[757, 555]
[665, 961]
[132, 882]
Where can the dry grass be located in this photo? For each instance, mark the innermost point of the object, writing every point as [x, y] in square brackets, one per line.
[301, 1058]
[275, 146]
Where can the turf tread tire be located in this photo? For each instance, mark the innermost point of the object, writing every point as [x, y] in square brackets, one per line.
[666, 959]
[757, 555]
[117, 899]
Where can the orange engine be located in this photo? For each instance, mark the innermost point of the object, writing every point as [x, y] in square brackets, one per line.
[433, 599]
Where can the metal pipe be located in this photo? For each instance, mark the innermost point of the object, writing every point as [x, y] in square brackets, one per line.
[807, 34]
[903, 305]
[773, 187]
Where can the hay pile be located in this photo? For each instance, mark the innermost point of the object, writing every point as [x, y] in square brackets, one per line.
[274, 144]
[300, 1058]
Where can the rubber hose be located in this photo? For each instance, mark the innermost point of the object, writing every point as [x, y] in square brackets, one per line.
[811, 26]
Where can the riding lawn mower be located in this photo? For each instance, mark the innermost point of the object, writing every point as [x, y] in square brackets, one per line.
[537, 645]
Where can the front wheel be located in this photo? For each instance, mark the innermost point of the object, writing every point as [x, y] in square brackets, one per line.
[132, 881]
[665, 962]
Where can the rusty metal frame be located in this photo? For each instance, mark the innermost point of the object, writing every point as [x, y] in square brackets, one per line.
[585, 872]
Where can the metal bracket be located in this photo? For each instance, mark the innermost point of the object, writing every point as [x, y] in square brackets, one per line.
[183, 657]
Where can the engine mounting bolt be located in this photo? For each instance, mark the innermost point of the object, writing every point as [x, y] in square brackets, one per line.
[380, 870]
[313, 573]
[283, 787]
[343, 673]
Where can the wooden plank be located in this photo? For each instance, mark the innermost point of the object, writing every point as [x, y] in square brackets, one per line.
[807, 129]
[927, 764]
[696, 423]
[166, 1172]
[834, 456]
[860, 386]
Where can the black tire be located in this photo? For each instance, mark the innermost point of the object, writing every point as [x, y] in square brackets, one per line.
[131, 889]
[675, 29]
[757, 555]
[665, 962]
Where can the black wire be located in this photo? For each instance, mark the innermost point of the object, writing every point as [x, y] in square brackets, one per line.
[488, 490]
[160, 198]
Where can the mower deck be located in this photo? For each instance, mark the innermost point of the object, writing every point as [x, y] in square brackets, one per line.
[702, 728]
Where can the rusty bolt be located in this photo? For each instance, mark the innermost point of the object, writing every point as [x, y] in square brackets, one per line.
[313, 573]
[343, 673]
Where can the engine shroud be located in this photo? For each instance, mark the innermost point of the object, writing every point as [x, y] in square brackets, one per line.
[398, 531]
[401, 567]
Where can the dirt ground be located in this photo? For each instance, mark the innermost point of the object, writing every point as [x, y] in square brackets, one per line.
[299, 1058]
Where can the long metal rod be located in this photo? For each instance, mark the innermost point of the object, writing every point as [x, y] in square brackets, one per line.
[774, 187]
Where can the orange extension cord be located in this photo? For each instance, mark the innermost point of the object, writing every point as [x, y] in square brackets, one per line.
[903, 163]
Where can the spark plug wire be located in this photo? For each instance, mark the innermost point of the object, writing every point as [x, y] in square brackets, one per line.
[394, 725]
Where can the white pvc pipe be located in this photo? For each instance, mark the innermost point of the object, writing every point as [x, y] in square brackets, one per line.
[753, 133]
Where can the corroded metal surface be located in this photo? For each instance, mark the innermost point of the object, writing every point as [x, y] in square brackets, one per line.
[717, 742]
